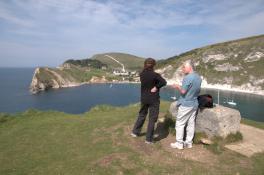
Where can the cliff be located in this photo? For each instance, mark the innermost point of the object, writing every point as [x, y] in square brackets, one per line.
[47, 78]
[101, 68]
[235, 65]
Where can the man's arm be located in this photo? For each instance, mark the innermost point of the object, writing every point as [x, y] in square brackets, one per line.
[186, 83]
[179, 88]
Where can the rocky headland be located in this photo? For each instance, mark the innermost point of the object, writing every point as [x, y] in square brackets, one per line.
[236, 65]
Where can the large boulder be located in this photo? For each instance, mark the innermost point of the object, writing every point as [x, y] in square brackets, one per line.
[217, 121]
[173, 109]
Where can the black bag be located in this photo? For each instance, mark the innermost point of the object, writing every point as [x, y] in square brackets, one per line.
[205, 101]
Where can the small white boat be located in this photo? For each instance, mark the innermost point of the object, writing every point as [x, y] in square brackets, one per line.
[111, 85]
[232, 103]
[173, 98]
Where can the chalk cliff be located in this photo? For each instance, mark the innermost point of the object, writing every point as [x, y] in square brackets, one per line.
[235, 65]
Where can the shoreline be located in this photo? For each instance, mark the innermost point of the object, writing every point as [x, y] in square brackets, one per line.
[237, 90]
[81, 84]
[225, 87]
[203, 86]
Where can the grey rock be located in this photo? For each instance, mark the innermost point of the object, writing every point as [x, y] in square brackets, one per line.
[173, 109]
[218, 121]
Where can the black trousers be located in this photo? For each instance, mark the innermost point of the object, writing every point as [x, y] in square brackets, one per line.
[153, 109]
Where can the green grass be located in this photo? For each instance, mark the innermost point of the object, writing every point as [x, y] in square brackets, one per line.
[98, 142]
[130, 62]
[217, 147]
[74, 74]
[256, 124]
[234, 137]
[198, 136]
[84, 76]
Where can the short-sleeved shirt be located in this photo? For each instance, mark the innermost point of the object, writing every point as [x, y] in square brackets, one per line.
[192, 84]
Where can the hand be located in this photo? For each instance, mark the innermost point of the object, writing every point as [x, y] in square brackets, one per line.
[176, 86]
[154, 89]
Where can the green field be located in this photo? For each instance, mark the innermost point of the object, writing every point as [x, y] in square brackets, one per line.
[130, 62]
[98, 142]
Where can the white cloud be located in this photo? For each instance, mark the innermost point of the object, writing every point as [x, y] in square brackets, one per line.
[146, 28]
[12, 18]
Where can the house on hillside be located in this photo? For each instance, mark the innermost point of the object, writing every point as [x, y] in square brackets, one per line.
[121, 73]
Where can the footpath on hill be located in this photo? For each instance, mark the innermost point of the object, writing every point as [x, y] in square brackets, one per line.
[253, 141]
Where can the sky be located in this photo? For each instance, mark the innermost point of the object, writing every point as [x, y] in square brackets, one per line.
[48, 32]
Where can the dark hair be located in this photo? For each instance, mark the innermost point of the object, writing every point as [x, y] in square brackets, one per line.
[149, 64]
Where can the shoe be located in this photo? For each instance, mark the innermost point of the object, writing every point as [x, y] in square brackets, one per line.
[176, 145]
[148, 142]
[133, 135]
[155, 135]
[187, 145]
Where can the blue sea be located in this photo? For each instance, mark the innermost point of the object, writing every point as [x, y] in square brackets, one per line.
[15, 96]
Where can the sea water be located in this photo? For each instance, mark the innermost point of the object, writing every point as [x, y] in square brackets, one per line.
[16, 97]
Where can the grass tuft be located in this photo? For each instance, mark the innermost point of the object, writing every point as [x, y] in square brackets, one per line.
[198, 136]
[4, 117]
[219, 143]
[233, 137]
[256, 124]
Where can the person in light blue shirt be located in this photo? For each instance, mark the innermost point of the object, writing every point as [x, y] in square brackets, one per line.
[187, 106]
[191, 85]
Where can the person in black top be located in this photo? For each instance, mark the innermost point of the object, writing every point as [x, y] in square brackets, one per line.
[151, 82]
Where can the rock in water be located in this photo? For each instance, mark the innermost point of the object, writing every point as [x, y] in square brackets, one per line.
[218, 121]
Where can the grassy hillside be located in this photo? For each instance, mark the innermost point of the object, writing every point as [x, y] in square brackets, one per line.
[98, 69]
[98, 142]
[86, 63]
[74, 74]
[130, 62]
[238, 62]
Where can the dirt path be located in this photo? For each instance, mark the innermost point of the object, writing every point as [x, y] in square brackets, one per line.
[253, 141]
[197, 153]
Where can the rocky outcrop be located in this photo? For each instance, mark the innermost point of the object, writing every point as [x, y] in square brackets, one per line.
[177, 75]
[36, 85]
[254, 56]
[47, 78]
[212, 58]
[226, 67]
[218, 121]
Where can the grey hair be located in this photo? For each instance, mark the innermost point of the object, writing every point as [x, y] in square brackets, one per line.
[189, 63]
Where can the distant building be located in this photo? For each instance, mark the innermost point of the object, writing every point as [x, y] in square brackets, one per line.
[104, 68]
[133, 73]
[122, 73]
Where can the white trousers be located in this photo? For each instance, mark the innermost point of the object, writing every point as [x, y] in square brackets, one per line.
[185, 116]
